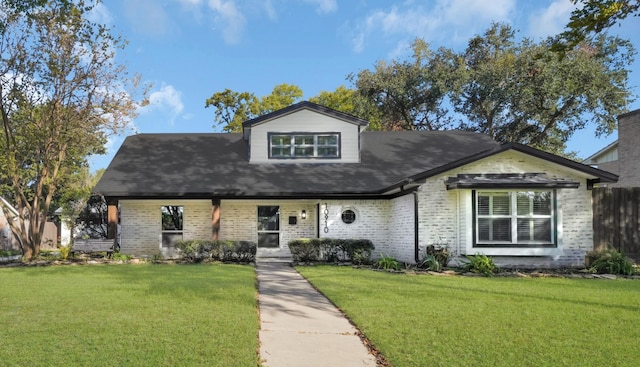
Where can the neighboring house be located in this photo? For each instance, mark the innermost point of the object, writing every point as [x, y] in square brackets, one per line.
[9, 241]
[622, 157]
[309, 171]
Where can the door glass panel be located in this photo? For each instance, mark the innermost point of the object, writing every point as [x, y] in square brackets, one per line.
[269, 226]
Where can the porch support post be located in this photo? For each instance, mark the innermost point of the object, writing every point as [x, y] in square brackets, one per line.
[112, 219]
[215, 218]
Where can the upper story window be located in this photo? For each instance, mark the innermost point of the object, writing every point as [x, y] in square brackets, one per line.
[304, 145]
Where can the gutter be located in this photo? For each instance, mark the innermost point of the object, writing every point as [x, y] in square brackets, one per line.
[416, 230]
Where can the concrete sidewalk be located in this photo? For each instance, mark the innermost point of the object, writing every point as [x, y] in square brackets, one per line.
[300, 327]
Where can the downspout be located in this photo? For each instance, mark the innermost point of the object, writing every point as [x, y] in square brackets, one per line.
[416, 236]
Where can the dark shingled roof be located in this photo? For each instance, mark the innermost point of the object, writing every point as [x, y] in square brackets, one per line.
[216, 164]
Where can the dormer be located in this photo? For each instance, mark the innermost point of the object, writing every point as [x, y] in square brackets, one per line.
[304, 133]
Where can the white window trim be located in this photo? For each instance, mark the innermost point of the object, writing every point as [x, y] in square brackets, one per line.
[293, 146]
[465, 202]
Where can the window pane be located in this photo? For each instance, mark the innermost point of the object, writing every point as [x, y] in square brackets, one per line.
[327, 151]
[538, 229]
[327, 140]
[303, 152]
[494, 229]
[483, 204]
[524, 203]
[501, 204]
[268, 218]
[303, 140]
[542, 203]
[169, 239]
[268, 240]
[172, 218]
[280, 152]
[280, 140]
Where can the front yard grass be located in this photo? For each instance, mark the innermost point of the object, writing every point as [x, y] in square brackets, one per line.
[419, 320]
[129, 315]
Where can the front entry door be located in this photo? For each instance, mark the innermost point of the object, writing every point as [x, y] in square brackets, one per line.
[269, 226]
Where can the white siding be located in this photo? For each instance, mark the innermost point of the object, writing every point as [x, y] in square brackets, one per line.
[305, 121]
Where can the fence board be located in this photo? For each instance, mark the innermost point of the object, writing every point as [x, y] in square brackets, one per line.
[616, 219]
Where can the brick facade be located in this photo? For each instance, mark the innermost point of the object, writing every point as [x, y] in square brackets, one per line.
[445, 216]
[628, 150]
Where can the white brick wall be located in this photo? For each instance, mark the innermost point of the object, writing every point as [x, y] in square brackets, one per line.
[238, 220]
[141, 228]
[371, 221]
[447, 214]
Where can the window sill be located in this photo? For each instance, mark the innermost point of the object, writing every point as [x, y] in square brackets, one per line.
[515, 251]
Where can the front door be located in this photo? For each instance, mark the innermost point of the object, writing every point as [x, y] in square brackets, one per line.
[269, 226]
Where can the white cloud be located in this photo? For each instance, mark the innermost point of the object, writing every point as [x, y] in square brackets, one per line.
[148, 17]
[100, 14]
[324, 6]
[167, 99]
[229, 18]
[448, 20]
[551, 20]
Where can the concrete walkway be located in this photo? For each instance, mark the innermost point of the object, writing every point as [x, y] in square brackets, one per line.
[300, 327]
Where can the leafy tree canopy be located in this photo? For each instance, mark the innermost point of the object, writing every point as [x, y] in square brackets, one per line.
[61, 93]
[232, 108]
[592, 17]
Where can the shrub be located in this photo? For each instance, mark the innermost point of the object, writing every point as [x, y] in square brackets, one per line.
[121, 256]
[358, 251]
[245, 251]
[222, 250]
[429, 262]
[65, 251]
[436, 257]
[479, 263]
[611, 261]
[305, 249]
[387, 263]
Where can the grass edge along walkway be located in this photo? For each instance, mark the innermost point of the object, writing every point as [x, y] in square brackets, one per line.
[422, 320]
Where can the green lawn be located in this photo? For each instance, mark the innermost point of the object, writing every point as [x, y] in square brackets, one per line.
[419, 320]
[128, 315]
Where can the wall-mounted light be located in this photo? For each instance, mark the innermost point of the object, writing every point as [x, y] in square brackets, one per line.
[303, 214]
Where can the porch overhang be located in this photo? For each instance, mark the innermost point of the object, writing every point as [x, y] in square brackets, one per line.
[508, 181]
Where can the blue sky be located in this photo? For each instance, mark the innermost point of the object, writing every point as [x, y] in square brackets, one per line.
[190, 49]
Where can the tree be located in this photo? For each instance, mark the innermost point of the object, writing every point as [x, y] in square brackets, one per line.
[351, 102]
[520, 92]
[80, 208]
[408, 94]
[61, 93]
[232, 108]
[592, 17]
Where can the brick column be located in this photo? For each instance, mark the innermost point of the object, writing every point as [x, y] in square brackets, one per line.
[215, 218]
[112, 219]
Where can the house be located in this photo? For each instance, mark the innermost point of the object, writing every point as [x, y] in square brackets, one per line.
[307, 171]
[622, 157]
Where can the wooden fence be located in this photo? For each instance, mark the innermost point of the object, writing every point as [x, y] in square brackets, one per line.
[616, 219]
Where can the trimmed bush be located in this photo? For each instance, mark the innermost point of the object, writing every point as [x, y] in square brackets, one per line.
[223, 250]
[358, 251]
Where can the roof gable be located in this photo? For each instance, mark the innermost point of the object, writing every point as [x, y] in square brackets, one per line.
[304, 105]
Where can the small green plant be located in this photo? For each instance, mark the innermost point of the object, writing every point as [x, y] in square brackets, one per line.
[611, 261]
[480, 264]
[65, 251]
[387, 263]
[430, 263]
[118, 256]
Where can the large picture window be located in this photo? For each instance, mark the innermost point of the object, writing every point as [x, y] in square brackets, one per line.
[514, 219]
[304, 145]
